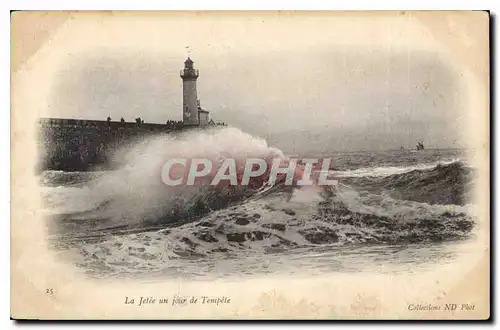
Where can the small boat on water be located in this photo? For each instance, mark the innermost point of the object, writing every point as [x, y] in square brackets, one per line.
[420, 145]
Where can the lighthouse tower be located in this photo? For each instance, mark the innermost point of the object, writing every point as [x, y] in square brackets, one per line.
[190, 103]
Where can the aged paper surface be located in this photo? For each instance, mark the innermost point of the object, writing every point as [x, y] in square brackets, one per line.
[398, 101]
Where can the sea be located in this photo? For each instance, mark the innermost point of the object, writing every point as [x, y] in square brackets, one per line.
[391, 211]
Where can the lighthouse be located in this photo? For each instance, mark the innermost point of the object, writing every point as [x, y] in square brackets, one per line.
[193, 114]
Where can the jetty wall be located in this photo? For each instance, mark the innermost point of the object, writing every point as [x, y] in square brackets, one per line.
[83, 145]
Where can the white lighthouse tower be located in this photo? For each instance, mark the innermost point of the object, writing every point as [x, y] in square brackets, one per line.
[190, 103]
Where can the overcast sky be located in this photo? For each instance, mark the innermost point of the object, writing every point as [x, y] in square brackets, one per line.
[313, 94]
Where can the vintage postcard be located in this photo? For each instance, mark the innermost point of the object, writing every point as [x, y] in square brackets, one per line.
[250, 165]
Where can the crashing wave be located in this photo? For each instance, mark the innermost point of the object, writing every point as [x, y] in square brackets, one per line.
[130, 217]
[274, 224]
[448, 183]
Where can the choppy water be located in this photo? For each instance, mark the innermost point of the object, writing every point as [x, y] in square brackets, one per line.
[392, 211]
